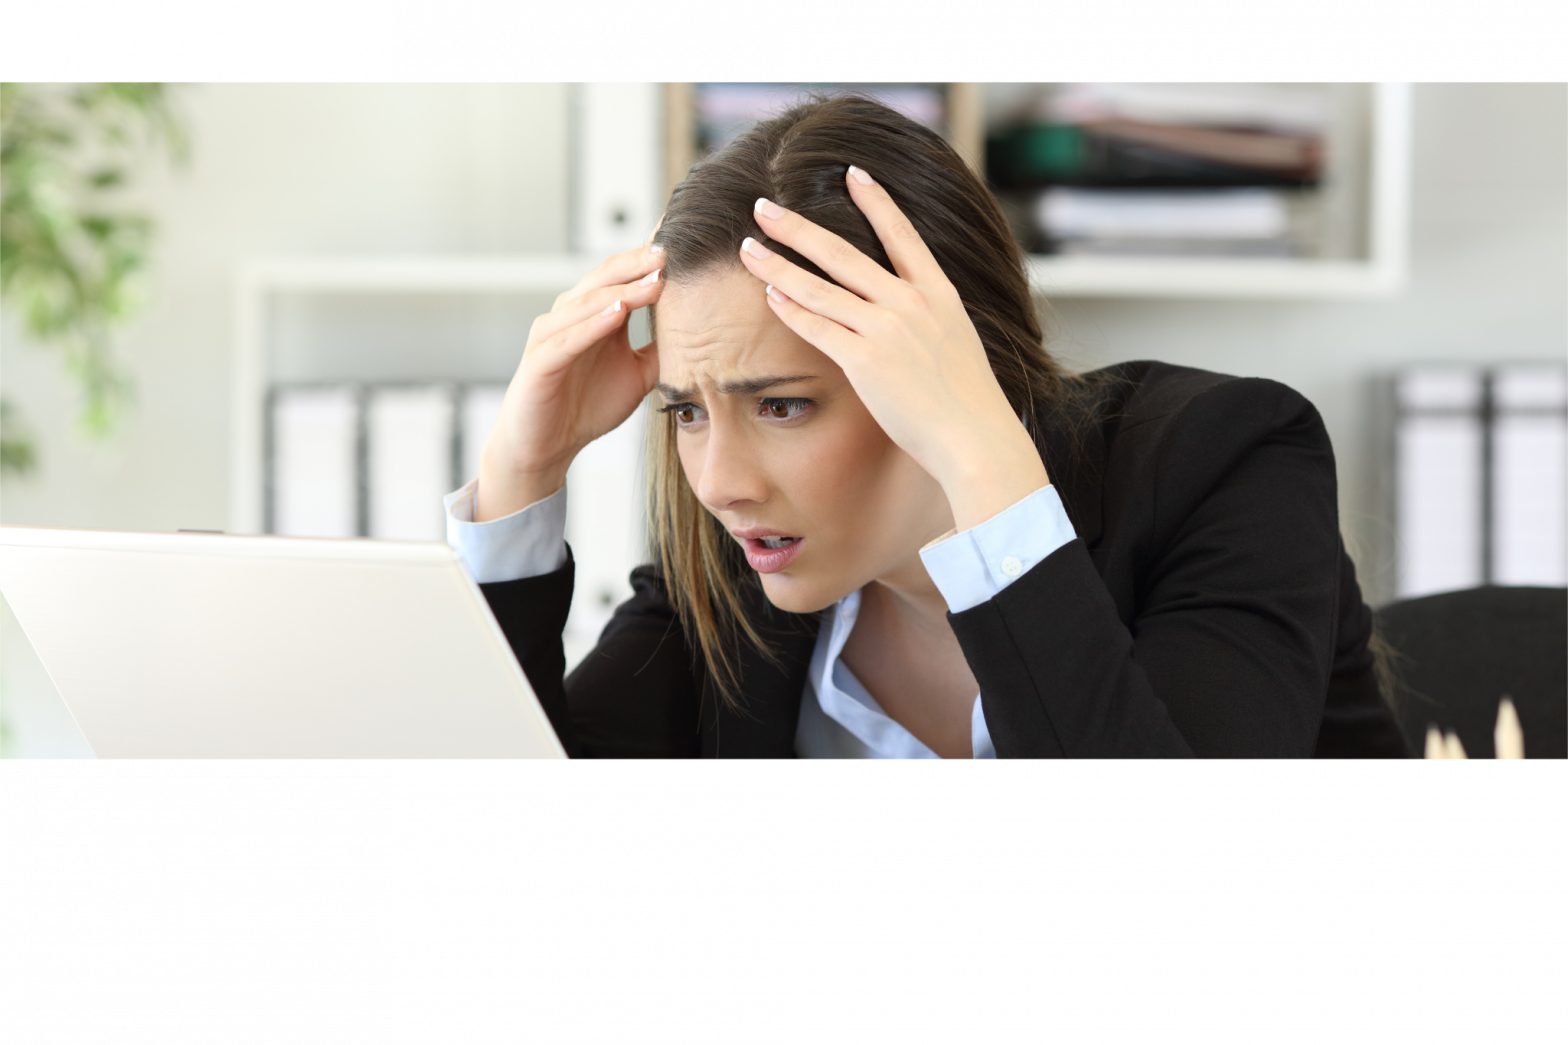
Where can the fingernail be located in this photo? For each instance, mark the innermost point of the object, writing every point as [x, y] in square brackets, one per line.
[859, 175]
[655, 249]
[755, 249]
[776, 295]
[768, 208]
[652, 277]
[613, 308]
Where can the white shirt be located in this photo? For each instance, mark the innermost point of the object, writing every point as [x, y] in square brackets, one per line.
[839, 718]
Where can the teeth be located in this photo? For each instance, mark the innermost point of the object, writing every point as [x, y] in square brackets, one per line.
[776, 542]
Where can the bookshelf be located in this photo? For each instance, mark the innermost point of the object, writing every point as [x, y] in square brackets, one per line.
[1362, 203]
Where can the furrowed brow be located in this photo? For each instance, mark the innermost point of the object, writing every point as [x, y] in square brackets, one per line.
[672, 394]
[760, 384]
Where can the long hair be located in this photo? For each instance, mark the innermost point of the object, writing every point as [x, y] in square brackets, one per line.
[799, 160]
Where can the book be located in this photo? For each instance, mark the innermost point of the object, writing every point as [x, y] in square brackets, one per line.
[1227, 214]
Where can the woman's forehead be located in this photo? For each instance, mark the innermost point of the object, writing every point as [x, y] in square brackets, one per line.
[721, 330]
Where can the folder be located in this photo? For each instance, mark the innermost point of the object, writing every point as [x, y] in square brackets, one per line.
[409, 461]
[1530, 490]
[1439, 479]
[605, 523]
[313, 464]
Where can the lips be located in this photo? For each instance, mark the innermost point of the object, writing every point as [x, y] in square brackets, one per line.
[768, 550]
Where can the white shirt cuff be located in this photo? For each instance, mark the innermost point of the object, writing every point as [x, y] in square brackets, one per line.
[528, 543]
[973, 566]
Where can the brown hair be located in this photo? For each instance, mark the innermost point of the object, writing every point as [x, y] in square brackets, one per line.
[799, 159]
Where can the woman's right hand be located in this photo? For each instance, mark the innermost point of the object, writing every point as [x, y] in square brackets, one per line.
[579, 378]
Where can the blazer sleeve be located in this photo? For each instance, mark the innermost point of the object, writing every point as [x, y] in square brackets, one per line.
[1229, 642]
[634, 696]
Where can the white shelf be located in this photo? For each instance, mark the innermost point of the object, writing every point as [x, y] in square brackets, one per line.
[259, 280]
[418, 274]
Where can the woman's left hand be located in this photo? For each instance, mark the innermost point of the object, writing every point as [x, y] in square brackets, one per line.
[908, 348]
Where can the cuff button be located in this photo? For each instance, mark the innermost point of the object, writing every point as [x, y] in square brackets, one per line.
[1012, 567]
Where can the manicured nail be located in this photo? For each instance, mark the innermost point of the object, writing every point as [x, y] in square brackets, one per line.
[652, 277]
[859, 175]
[613, 308]
[755, 249]
[655, 249]
[768, 208]
[776, 295]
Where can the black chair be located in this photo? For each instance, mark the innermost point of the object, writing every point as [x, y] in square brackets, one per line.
[1457, 654]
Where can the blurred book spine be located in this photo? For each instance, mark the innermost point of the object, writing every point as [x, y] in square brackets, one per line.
[1198, 144]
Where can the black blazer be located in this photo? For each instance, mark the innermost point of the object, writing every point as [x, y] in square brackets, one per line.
[1207, 606]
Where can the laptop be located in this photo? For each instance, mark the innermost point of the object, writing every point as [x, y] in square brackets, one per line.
[214, 646]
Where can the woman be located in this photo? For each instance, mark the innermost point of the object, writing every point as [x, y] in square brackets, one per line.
[886, 522]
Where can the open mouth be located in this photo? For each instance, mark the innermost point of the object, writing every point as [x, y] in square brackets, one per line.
[771, 553]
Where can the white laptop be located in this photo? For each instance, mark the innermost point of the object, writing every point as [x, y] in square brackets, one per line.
[213, 646]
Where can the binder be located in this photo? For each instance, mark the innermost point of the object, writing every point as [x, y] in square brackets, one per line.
[605, 520]
[313, 485]
[1530, 490]
[1439, 480]
[409, 461]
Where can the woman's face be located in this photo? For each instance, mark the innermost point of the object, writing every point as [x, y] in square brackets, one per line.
[780, 449]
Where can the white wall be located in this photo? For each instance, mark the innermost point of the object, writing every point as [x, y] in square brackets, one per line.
[355, 169]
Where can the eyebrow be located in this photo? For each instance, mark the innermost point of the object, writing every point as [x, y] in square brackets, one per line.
[732, 388]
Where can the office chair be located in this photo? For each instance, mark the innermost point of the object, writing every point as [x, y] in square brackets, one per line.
[1457, 654]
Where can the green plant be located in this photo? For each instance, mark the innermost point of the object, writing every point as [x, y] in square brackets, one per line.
[70, 248]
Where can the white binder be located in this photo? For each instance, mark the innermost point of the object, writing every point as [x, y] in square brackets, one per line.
[408, 461]
[1530, 490]
[314, 462]
[1439, 480]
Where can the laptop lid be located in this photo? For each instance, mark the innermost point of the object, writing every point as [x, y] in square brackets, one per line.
[214, 646]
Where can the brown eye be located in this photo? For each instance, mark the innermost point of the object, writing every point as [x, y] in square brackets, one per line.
[685, 415]
[779, 409]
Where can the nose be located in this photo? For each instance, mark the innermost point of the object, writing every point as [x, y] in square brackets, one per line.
[732, 474]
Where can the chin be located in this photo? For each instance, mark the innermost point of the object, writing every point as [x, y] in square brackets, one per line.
[798, 594]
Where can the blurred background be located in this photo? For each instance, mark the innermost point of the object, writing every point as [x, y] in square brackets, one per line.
[292, 308]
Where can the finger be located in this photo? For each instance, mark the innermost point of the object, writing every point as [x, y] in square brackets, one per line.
[910, 256]
[648, 362]
[831, 252]
[644, 291]
[834, 340]
[564, 346]
[625, 267]
[808, 289]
